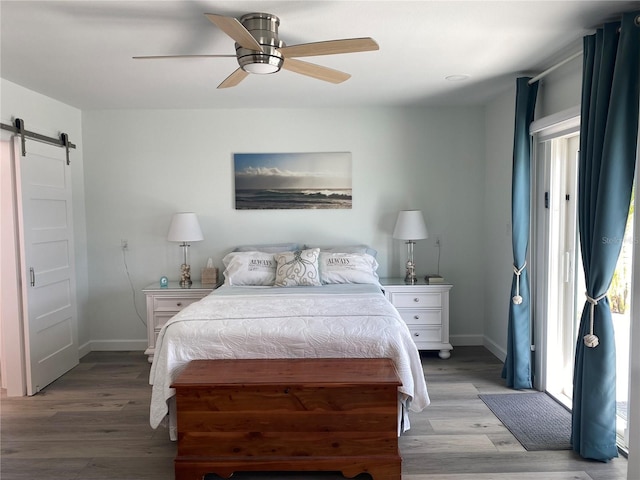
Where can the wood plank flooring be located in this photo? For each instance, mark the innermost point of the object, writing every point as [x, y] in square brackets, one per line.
[93, 424]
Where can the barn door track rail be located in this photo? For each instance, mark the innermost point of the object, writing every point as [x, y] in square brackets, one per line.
[18, 127]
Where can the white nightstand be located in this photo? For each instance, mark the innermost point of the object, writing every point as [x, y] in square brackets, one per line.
[425, 309]
[164, 303]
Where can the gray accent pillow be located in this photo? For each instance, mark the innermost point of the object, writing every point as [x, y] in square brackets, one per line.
[347, 249]
[268, 248]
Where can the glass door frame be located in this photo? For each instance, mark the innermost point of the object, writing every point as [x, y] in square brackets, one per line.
[559, 125]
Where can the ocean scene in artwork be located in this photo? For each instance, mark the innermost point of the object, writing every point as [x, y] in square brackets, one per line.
[292, 180]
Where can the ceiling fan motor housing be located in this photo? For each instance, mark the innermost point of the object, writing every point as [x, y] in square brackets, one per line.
[264, 28]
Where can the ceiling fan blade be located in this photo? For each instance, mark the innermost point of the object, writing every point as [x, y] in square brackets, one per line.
[315, 71]
[234, 79]
[157, 57]
[232, 27]
[330, 47]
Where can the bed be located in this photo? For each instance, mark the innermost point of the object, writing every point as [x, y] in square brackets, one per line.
[331, 317]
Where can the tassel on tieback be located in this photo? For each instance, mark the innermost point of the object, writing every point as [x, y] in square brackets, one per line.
[591, 340]
[517, 299]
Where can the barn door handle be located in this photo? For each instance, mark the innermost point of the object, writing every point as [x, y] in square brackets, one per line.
[32, 276]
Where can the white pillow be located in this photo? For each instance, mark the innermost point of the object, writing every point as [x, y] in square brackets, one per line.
[297, 268]
[348, 268]
[249, 268]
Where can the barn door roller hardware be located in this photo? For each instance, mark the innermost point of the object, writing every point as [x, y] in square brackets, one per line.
[18, 127]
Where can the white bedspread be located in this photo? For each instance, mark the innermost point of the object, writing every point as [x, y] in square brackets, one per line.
[235, 322]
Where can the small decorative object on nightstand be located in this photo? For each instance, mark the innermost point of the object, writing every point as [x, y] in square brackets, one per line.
[433, 278]
[164, 302]
[425, 310]
[209, 274]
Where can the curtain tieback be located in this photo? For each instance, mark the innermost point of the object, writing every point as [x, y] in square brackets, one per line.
[517, 299]
[591, 340]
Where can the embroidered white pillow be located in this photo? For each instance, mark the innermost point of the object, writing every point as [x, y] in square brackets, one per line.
[297, 268]
[348, 268]
[249, 269]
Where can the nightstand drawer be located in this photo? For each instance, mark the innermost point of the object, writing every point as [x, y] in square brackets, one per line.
[160, 318]
[415, 300]
[168, 304]
[422, 335]
[421, 317]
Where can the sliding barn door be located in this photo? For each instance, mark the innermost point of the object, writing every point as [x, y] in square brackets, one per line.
[47, 264]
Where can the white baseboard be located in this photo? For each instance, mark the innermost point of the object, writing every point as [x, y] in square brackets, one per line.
[114, 346]
[466, 340]
[496, 349]
[84, 349]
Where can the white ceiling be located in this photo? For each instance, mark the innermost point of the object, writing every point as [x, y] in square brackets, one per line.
[79, 52]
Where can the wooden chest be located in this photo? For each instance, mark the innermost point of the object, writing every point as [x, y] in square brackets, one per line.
[288, 415]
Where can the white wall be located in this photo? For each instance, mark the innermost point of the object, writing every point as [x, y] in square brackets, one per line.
[142, 166]
[498, 256]
[49, 117]
[560, 90]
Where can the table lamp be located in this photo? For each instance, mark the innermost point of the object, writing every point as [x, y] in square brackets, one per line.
[410, 226]
[185, 228]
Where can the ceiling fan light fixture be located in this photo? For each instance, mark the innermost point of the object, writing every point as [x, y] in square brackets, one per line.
[260, 63]
[260, 68]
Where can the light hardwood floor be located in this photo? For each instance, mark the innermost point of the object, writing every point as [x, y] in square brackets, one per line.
[92, 424]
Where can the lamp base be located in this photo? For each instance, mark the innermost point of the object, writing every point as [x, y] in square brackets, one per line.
[185, 276]
[410, 276]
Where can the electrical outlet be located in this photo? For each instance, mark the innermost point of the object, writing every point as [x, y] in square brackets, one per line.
[124, 244]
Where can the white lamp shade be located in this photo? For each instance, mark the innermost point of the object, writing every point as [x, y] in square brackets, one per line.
[410, 226]
[185, 228]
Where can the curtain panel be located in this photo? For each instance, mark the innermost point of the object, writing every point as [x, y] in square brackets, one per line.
[608, 145]
[517, 367]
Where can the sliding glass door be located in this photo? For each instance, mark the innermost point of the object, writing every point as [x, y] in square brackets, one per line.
[620, 299]
[559, 283]
[562, 266]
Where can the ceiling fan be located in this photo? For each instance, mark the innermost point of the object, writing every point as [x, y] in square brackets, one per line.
[260, 51]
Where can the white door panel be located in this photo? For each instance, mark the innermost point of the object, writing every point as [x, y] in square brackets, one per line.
[49, 277]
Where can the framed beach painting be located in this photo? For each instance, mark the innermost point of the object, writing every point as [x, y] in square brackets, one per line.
[292, 180]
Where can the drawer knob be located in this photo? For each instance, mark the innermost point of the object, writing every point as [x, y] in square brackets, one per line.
[416, 334]
[416, 317]
[179, 304]
[416, 299]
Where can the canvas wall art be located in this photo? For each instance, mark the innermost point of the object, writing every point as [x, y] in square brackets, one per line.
[292, 180]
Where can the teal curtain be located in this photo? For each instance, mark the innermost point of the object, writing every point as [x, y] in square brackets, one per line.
[517, 367]
[608, 145]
